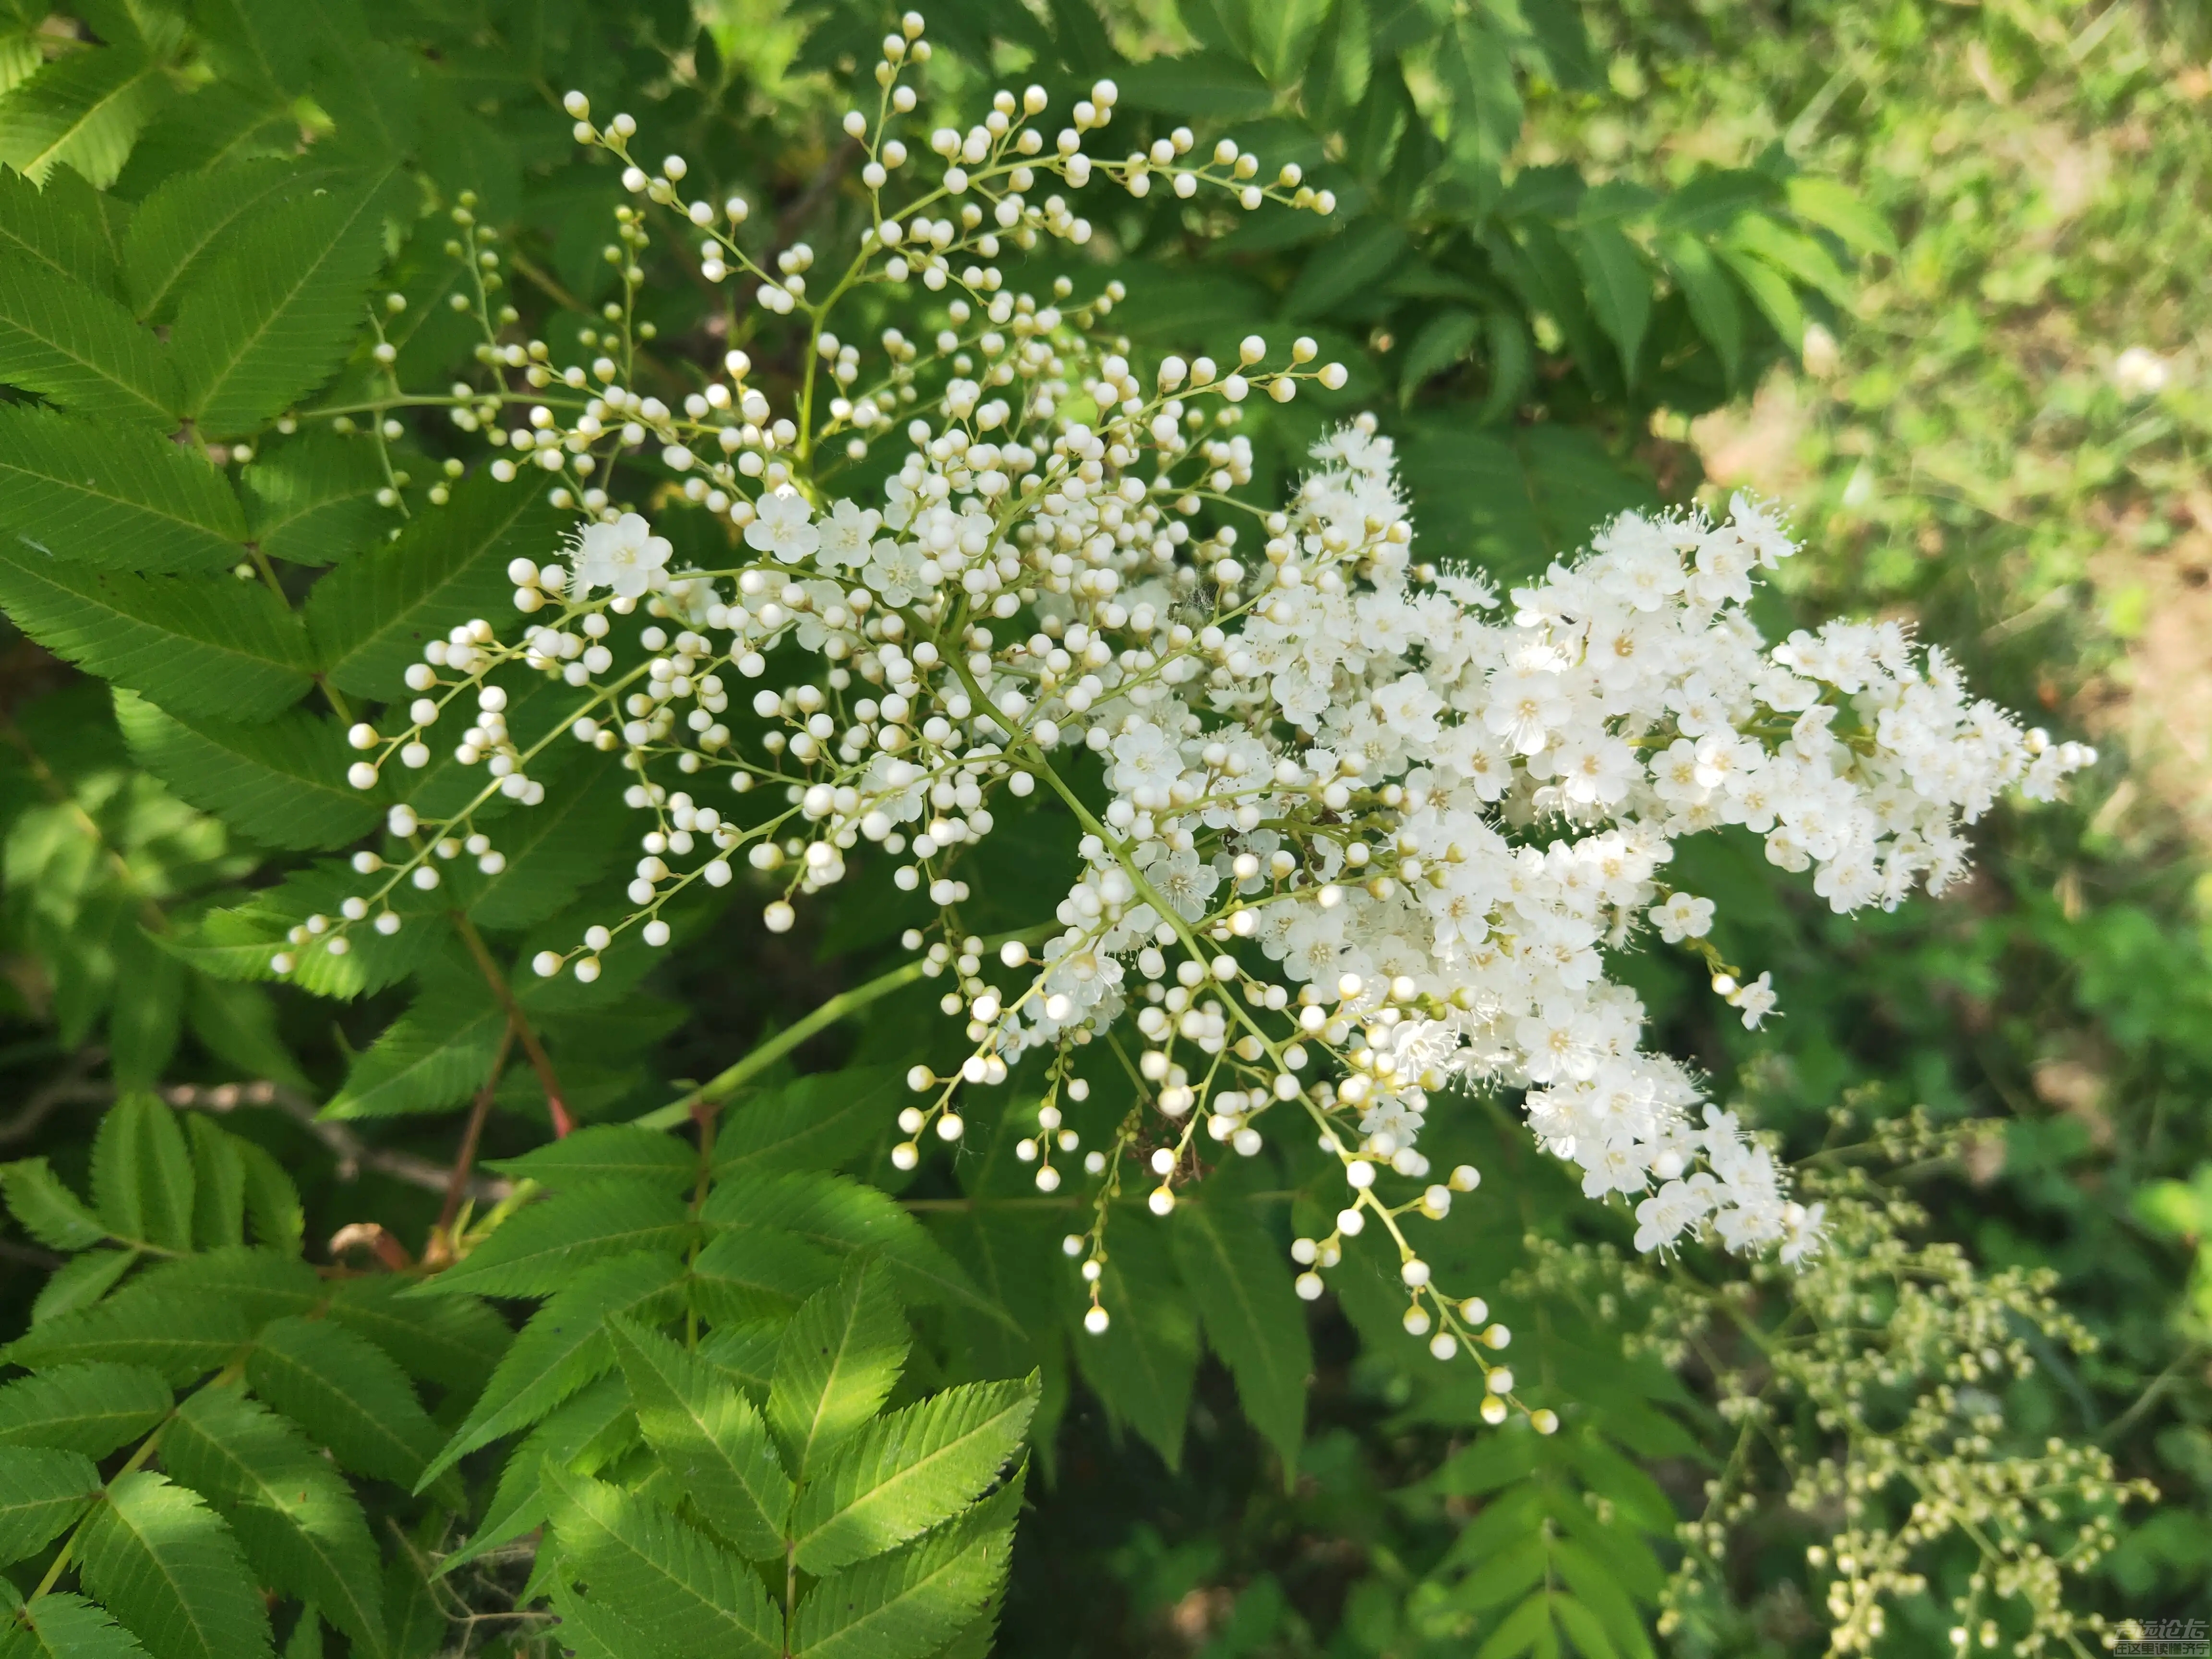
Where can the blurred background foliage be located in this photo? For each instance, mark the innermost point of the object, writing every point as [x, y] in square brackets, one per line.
[1929, 271]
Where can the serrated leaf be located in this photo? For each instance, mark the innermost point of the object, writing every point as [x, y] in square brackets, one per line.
[312, 499]
[271, 318]
[84, 112]
[454, 1342]
[811, 1123]
[370, 618]
[218, 1184]
[605, 1152]
[77, 348]
[280, 782]
[55, 229]
[1143, 1365]
[539, 1249]
[141, 1173]
[80, 1282]
[556, 848]
[683, 1592]
[262, 1283]
[710, 1437]
[1835, 206]
[45, 1208]
[298, 1523]
[1253, 1318]
[1196, 83]
[92, 1409]
[903, 1605]
[60, 1625]
[1796, 256]
[436, 1056]
[564, 1346]
[758, 1273]
[188, 222]
[1770, 292]
[843, 1215]
[1710, 297]
[182, 1338]
[1620, 289]
[165, 1565]
[272, 1202]
[348, 1395]
[195, 644]
[1355, 257]
[838, 1360]
[42, 1490]
[581, 1435]
[909, 1471]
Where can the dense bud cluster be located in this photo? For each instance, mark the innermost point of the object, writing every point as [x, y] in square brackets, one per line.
[1371, 830]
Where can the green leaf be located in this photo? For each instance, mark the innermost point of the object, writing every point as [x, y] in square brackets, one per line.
[757, 1272]
[1253, 1318]
[1835, 206]
[80, 1282]
[60, 1625]
[1558, 27]
[435, 1056]
[1512, 365]
[1444, 339]
[538, 1249]
[92, 1409]
[1343, 59]
[710, 1437]
[1770, 291]
[811, 1123]
[683, 1592]
[1143, 1365]
[836, 1363]
[564, 1346]
[605, 1152]
[311, 500]
[141, 1173]
[180, 1331]
[556, 848]
[909, 1472]
[218, 1183]
[584, 1436]
[454, 1342]
[370, 618]
[903, 1605]
[165, 1565]
[58, 230]
[189, 222]
[1798, 256]
[841, 1215]
[44, 1207]
[42, 1490]
[348, 1393]
[278, 311]
[281, 782]
[299, 1524]
[1354, 258]
[1712, 298]
[77, 348]
[272, 1202]
[195, 644]
[84, 112]
[1620, 289]
[1209, 83]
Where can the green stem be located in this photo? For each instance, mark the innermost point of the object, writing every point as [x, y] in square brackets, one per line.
[720, 1087]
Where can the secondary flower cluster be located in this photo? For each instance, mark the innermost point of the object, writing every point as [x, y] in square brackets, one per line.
[1367, 832]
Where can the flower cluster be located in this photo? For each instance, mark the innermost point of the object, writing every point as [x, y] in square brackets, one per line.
[1372, 831]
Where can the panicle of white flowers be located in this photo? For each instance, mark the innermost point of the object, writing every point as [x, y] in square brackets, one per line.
[1370, 831]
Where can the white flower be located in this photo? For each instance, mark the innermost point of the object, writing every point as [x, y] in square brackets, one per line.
[895, 570]
[624, 555]
[783, 526]
[844, 536]
[1682, 916]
